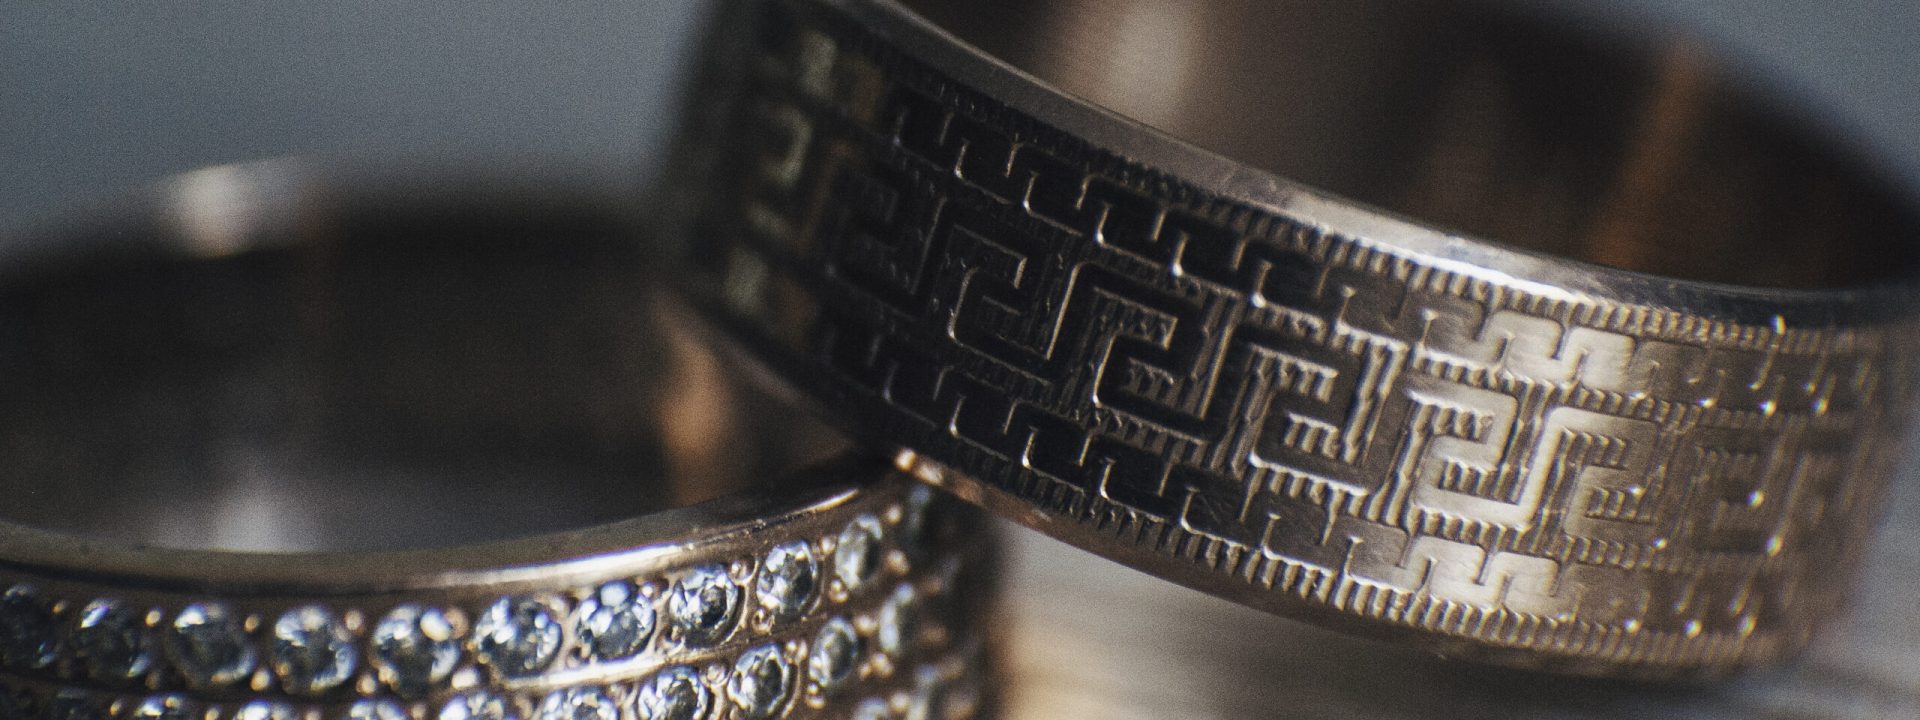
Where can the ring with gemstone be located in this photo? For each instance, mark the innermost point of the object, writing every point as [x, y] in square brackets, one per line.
[285, 443]
[1202, 287]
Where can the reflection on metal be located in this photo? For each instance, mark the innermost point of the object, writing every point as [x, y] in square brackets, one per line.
[430, 449]
[214, 209]
[1202, 369]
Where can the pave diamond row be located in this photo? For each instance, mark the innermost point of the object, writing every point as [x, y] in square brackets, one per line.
[745, 637]
[758, 686]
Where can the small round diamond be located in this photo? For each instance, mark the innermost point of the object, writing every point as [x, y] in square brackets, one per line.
[836, 650]
[312, 651]
[163, 707]
[704, 605]
[112, 642]
[27, 640]
[761, 683]
[856, 555]
[897, 627]
[788, 579]
[614, 622]
[916, 531]
[674, 694]
[517, 636]
[578, 704]
[209, 645]
[265, 710]
[478, 706]
[872, 709]
[377, 710]
[415, 649]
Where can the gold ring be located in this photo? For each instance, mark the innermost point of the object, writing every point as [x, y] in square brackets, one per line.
[1639, 430]
[232, 413]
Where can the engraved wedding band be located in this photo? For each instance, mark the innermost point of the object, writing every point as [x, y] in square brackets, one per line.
[267, 340]
[1641, 431]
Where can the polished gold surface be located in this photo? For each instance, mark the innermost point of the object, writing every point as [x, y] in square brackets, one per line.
[284, 443]
[1567, 446]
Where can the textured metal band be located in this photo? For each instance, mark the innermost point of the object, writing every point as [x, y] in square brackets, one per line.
[1304, 408]
[823, 603]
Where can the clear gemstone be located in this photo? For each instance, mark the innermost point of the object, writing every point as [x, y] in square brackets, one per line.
[856, 555]
[517, 636]
[265, 710]
[377, 710]
[836, 650]
[312, 651]
[209, 645]
[788, 579]
[111, 640]
[578, 704]
[478, 706]
[897, 626]
[674, 694]
[916, 534]
[27, 636]
[163, 707]
[415, 649]
[761, 683]
[704, 605]
[614, 622]
[872, 709]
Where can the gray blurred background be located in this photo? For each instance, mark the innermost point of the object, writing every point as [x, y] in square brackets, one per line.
[98, 99]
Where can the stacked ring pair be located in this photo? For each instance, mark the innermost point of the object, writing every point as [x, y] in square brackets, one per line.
[1642, 434]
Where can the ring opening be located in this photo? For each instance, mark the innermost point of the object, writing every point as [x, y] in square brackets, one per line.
[1481, 118]
[392, 372]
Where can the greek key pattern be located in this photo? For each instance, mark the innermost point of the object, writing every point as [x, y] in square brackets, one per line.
[1307, 421]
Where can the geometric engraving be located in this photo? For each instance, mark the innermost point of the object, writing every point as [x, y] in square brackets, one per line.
[1331, 392]
[1459, 444]
[1739, 485]
[1270, 409]
[1615, 487]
